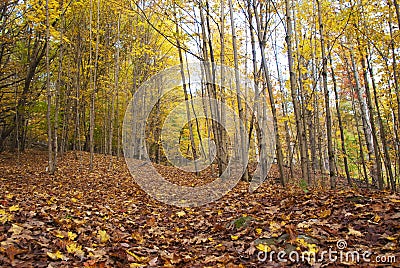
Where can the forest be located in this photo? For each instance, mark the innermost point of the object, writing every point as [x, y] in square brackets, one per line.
[168, 133]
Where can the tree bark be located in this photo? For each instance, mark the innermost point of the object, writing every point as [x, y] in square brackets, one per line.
[293, 90]
[331, 153]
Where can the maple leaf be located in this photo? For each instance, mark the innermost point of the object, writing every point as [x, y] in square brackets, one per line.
[354, 232]
[75, 249]
[132, 265]
[138, 237]
[325, 213]
[72, 236]
[264, 248]
[14, 208]
[102, 236]
[59, 234]
[181, 213]
[57, 256]
[16, 229]
[234, 237]
[5, 217]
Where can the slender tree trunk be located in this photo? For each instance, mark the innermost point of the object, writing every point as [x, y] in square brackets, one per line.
[372, 121]
[92, 91]
[395, 73]
[224, 139]
[115, 92]
[366, 126]
[211, 88]
[51, 166]
[58, 86]
[184, 86]
[293, 89]
[313, 114]
[339, 116]
[331, 153]
[304, 98]
[243, 147]
[264, 66]
[289, 153]
[382, 131]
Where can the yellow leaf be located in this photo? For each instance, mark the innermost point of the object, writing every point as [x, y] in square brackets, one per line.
[302, 242]
[72, 236]
[258, 230]
[139, 259]
[263, 247]
[274, 226]
[138, 237]
[3, 212]
[14, 208]
[354, 232]
[181, 213]
[59, 235]
[75, 249]
[312, 248]
[325, 213]
[391, 238]
[377, 218]
[57, 256]
[5, 217]
[103, 236]
[15, 229]
[9, 196]
[132, 265]
[73, 199]
[234, 237]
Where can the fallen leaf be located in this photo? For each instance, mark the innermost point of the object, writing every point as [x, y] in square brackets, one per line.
[75, 249]
[264, 248]
[14, 208]
[234, 237]
[57, 256]
[181, 213]
[16, 229]
[72, 236]
[354, 232]
[102, 236]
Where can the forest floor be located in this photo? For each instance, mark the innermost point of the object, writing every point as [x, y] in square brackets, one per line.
[79, 218]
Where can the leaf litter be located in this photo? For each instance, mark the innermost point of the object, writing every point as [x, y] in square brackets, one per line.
[79, 218]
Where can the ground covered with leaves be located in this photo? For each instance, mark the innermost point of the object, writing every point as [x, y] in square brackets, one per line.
[78, 218]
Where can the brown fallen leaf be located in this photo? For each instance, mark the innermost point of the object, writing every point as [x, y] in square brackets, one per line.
[13, 251]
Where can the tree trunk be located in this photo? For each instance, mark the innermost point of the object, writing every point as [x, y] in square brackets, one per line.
[188, 116]
[339, 116]
[243, 147]
[92, 90]
[366, 126]
[51, 166]
[331, 153]
[264, 66]
[293, 90]
[382, 131]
